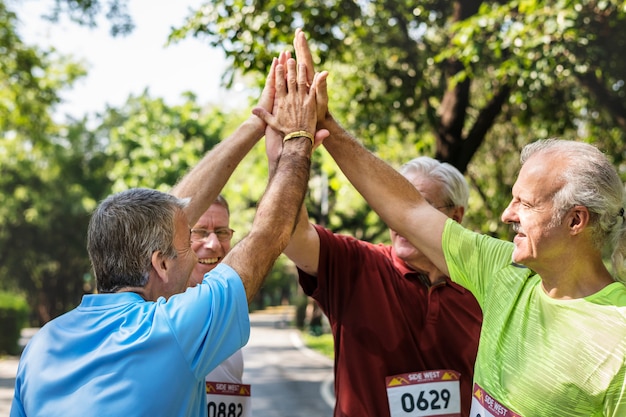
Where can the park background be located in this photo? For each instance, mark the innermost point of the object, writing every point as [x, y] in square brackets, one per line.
[468, 82]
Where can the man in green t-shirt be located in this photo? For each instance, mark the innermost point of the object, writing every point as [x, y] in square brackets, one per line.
[553, 340]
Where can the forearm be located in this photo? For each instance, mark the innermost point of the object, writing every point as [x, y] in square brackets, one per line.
[385, 190]
[205, 181]
[275, 217]
[304, 246]
[392, 196]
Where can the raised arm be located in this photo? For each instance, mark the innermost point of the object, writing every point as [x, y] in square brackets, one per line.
[274, 221]
[304, 246]
[391, 195]
[205, 181]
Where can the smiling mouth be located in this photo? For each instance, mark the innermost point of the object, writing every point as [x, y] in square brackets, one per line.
[208, 261]
[517, 228]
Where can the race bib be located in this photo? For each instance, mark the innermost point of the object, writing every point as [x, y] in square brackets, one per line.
[225, 399]
[424, 394]
[484, 405]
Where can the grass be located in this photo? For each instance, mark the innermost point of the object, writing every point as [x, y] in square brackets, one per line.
[323, 344]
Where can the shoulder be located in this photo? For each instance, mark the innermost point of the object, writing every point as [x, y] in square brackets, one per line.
[460, 240]
[222, 272]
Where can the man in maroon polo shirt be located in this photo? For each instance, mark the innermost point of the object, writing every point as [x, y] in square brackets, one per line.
[392, 313]
[406, 336]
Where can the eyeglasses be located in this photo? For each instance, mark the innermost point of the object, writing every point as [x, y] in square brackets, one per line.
[446, 206]
[223, 234]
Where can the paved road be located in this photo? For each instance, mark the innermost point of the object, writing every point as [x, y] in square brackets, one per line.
[287, 379]
[8, 368]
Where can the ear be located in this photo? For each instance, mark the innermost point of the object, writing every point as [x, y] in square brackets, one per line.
[578, 219]
[458, 213]
[159, 264]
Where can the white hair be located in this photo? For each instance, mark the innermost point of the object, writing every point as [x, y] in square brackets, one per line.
[590, 181]
[454, 185]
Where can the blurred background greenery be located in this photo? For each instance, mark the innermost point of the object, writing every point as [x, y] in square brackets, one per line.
[469, 82]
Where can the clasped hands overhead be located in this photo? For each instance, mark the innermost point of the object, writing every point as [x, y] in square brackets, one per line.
[298, 98]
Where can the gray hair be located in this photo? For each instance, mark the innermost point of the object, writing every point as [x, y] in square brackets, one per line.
[455, 188]
[590, 181]
[221, 200]
[125, 230]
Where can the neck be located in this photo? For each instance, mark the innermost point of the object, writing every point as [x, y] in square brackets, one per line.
[429, 273]
[576, 279]
[137, 290]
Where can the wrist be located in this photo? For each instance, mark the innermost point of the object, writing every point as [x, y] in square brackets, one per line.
[297, 145]
[257, 125]
[298, 135]
[327, 122]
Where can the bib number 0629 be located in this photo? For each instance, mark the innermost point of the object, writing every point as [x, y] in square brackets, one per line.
[224, 410]
[434, 400]
[424, 394]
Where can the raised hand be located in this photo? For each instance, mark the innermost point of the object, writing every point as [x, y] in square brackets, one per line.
[303, 56]
[295, 105]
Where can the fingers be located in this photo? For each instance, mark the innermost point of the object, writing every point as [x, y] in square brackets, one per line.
[263, 114]
[267, 95]
[302, 78]
[294, 101]
[281, 86]
[292, 75]
[321, 94]
[283, 57]
[303, 54]
[320, 135]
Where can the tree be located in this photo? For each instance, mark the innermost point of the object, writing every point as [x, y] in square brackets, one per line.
[86, 12]
[40, 252]
[53, 175]
[469, 82]
[152, 145]
[445, 77]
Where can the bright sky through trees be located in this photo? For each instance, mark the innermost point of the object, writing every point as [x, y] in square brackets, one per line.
[118, 67]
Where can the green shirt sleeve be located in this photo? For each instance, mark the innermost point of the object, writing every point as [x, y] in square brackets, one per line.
[473, 258]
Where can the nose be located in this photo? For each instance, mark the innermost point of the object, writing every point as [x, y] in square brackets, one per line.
[211, 241]
[509, 215]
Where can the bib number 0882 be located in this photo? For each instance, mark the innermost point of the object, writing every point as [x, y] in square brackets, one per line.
[224, 410]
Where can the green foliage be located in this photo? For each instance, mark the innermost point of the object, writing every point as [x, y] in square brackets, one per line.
[455, 80]
[13, 318]
[346, 36]
[31, 80]
[323, 344]
[469, 82]
[153, 144]
[44, 221]
[86, 12]
[563, 57]
[42, 215]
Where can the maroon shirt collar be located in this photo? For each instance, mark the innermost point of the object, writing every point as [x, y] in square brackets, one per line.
[413, 274]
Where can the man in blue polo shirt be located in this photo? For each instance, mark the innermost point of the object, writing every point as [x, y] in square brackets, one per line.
[143, 345]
